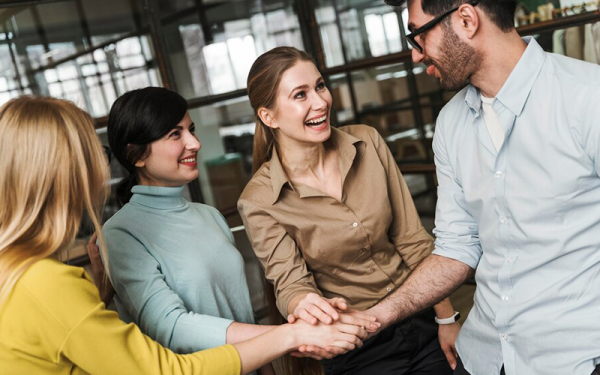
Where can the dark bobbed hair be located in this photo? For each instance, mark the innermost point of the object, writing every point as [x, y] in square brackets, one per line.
[136, 119]
[263, 83]
[501, 12]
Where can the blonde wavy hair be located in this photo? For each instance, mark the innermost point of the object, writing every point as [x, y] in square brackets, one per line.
[52, 169]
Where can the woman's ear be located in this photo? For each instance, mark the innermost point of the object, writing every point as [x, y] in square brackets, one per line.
[140, 164]
[266, 116]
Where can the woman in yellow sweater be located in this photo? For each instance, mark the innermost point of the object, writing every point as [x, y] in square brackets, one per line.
[52, 320]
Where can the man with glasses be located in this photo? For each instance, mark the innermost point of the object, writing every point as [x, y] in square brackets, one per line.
[517, 152]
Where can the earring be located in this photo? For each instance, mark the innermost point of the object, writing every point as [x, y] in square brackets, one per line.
[140, 164]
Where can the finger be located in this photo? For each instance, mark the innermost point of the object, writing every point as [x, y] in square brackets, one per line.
[320, 314]
[307, 317]
[320, 351]
[323, 305]
[352, 330]
[93, 238]
[345, 345]
[450, 357]
[369, 325]
[291, 318]
[335, 350]
[92, 249]
[362, 315]
[350, 338]
[338, 302]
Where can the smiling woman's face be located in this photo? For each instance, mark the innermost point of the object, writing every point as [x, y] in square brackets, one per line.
[303, 106]
[172, 159]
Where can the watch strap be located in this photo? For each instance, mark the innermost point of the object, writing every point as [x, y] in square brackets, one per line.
[453, 319]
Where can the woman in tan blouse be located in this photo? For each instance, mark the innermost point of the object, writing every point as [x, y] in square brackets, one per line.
[332, 221]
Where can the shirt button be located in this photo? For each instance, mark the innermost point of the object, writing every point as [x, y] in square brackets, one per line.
[498, 174]
[510, 260]
[504, 337]
[363, 250]
[505, 298]
[389, 288]
[372, 269]
[503, 220]
[354, 225]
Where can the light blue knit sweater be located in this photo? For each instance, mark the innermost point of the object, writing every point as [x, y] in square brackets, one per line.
[176, 270]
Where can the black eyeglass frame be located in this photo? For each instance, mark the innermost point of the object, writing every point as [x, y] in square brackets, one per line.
[410, 38]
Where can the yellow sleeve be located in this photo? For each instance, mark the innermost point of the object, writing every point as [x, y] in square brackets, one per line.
[98, 342]
[103, 344]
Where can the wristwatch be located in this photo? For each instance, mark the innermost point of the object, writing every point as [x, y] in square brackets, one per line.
[453, 319]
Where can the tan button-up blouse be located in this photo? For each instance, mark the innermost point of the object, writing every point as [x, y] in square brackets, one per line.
[360, 248]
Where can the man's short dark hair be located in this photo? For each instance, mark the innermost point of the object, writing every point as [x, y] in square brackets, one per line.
[501, 12]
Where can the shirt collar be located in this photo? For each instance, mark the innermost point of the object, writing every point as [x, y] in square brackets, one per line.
[345, 144]
[158, 196]
[515, 91]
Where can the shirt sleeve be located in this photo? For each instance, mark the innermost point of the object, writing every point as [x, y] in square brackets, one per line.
[138, 281]
[406, 230]
[279, 255]
[456, 231]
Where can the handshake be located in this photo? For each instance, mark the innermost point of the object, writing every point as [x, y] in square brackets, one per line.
[325, 328]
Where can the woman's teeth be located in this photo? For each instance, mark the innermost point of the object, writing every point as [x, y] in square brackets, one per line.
[317, 121]
[189, 160]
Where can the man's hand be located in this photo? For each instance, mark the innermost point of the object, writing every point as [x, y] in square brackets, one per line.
[447, 334]
[98, 273]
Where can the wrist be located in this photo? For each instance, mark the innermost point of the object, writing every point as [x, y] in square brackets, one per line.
[383, 316]
[290, 335]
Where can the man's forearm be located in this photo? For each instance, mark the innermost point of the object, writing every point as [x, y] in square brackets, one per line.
[433, 280]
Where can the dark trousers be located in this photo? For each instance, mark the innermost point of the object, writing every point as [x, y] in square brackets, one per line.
[410, 347]
[460, 368]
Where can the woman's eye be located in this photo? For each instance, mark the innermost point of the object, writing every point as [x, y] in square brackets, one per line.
[321, 86]
[174, 134]
[193, 130]
[300, 95]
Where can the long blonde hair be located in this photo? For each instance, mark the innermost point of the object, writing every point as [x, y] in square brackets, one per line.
[52, 168]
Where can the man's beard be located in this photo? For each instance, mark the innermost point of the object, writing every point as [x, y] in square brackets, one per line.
[456, 61]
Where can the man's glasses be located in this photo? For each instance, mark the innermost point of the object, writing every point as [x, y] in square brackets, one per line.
[431, 24]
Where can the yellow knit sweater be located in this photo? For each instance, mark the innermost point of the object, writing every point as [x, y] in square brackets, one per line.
[55, 323]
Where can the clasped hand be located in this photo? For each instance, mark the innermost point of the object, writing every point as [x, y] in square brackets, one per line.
[333, 313]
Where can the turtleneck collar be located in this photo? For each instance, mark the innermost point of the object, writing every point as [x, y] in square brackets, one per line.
[159, 197]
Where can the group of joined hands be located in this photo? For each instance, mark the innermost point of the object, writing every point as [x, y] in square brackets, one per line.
[343, 328]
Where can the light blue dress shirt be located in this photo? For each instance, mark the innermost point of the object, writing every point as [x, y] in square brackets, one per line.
[527, 217]
[176, 270]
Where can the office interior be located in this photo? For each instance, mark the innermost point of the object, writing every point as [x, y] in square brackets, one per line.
[93, 51]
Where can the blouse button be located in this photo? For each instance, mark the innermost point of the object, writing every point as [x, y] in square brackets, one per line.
[355, 225]
[389, 288]
[363, 250]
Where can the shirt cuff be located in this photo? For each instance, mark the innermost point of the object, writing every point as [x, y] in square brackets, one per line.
[194, 332]
[463, 256]
[223, 360]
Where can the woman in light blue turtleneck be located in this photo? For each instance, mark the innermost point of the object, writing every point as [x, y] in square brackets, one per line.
[173, 263]
[159, 243]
